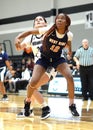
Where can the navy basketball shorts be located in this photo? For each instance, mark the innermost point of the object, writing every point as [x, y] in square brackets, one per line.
[54, 62]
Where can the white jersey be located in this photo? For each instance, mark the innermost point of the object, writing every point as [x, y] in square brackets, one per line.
[36, 42]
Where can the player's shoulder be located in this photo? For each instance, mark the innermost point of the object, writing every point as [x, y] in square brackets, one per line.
[69, 33]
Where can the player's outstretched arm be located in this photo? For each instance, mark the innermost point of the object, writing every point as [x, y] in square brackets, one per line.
[21, 36]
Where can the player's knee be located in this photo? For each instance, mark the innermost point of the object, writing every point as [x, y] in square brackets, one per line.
[32, 84]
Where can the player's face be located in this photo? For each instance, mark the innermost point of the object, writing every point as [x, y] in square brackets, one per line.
[39, 22]
[61, 21]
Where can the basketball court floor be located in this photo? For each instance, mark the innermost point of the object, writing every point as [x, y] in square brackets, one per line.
[60, 119]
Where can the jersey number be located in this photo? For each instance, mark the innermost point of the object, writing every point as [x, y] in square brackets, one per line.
[55, 48]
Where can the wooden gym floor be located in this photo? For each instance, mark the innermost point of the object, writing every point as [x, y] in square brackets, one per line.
[60, 119]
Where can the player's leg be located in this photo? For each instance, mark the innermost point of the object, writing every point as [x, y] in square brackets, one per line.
[2, 87]
[31, 87]
[40, 99]
[66, 72]
[49, 74]
[3, 91]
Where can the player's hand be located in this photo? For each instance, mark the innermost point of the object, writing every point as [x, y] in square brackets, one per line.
[17, 44]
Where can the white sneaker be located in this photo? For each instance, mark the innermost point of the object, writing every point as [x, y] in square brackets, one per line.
[4, 99]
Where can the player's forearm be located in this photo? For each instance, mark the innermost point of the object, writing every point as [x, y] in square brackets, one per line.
[76, 60]
[25, 34]
[21, 36]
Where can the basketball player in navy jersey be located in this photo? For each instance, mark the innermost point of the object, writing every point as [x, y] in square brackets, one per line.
[55, 39]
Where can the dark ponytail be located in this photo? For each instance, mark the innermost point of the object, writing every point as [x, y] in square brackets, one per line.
[45, 47]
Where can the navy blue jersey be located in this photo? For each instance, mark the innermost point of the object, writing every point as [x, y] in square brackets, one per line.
[3, 58]
[55, 45]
